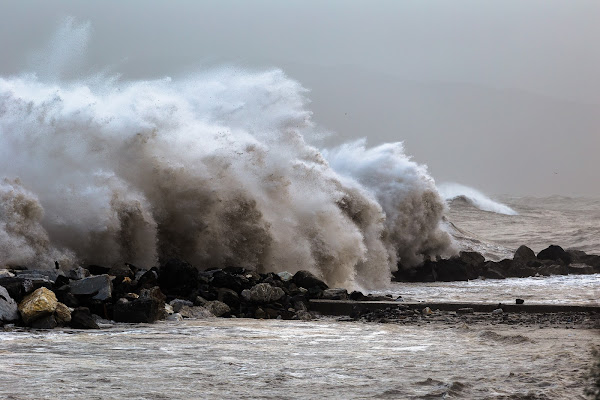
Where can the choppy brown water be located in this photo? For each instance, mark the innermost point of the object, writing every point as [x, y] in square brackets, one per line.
[235, 358]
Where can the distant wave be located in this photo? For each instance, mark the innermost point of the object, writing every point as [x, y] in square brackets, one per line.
[454, 191]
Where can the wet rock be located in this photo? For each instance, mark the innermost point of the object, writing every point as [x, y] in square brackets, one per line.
[39, 274]
[303, 315]
[38, 304]
[78, 273]
[519, 301]
[81, 318]
[97, 269]
[335, 294]
[260, 313]
[553, 269]
[121, 271]
[554, 253]
[229, 297]
[8, 307]
[147, 279]
[580, 257]
[45, 322]
[222, 279]
[263, 293]
[465, 310]
[449, 270]
[307, 280]
[217, 308]
[149, 307]
[177, 277]
[524, 255]
[177, 304]
[62, 314]
[471, 258]
[357, 296]
[493, 270]
[67, 298]
[4, 273]
[285, 276]
[498, 311]
[581, 269]
[196, 312]
[175, 317]
[98, 287]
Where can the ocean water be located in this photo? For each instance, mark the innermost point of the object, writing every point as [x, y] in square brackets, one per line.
[270, 359]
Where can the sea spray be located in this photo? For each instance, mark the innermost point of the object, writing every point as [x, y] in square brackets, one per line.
[215, 168]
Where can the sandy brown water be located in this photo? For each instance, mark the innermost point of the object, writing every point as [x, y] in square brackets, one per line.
[239, 358]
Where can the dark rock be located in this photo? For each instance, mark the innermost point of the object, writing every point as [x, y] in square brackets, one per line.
[553, 269]
[554, 253]
[177, 304]
[177, 277]
[222, 279]
[493, 270]
[78, 273]
[229, 297]
[121, 271]
[581, 269]
[357, 296]
[421, 273]
[524, 255]
[580, 257]
[449, 270]
[8, 307]
[149, 307]
[235, 270]
[218, 308]
[148, 279]
[307, 280]
[97, 269]
[47, 322]
[98, 287]
[519, 301]
[465, 310]
[16, 287]
[471, 258]
[61, 280]
[335, 294]
[67, 298]
[81, 318]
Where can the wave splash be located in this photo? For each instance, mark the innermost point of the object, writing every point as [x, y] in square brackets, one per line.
[454, 191]
[214, 168]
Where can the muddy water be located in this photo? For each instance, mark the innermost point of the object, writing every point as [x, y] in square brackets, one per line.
[238, 358]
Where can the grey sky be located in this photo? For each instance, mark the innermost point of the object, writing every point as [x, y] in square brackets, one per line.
[500, 95]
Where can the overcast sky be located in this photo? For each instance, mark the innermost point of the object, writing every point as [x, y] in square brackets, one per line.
[499, 95]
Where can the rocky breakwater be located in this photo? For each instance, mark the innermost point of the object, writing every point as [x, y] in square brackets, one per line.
[84, 297]
[553, 260]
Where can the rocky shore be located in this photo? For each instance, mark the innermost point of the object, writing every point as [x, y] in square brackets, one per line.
[84, 298]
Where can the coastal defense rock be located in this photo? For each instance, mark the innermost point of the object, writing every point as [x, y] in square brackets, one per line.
[471, 258]
[554, 253]
[45, 322]
[580, 257]
[263, 293]
[100, 287]
[217, 308]
[78, 273]
[580, 269]
[81, 318]
[229, 297]
[307, 280]
[149, 307]
[524, 255]
[177, 277]
[38, 304]
[8, 307]
[62, 314]
[335, 294]
[449, 270]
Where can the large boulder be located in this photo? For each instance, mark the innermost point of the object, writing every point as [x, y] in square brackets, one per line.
[449, 270]
[8, 307]
[17, 288]
[38, 304]
[217, 308]
[148, 307]
[81, 318]
[335, 294]
[177, 277]
[524, 255]
[263, 293]
[97, 287]
[554, 253]
[62, 314]
[307, 280]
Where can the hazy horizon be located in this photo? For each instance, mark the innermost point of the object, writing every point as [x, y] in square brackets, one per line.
[501, 96]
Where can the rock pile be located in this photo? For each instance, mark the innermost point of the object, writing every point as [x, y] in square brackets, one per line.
[176, 290]
[553, 260]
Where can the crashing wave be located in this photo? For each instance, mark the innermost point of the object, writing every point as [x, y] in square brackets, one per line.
[455, 192]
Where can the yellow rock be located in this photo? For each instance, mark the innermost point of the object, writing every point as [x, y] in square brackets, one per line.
[38, 304]
[62, 314]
